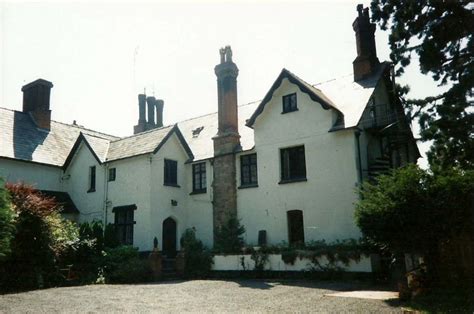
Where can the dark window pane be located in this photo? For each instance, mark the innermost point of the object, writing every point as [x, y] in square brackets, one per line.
[293, 165]
[92, 179]
[171, 172]
[199, 177]
[289, 103]
[248, 169]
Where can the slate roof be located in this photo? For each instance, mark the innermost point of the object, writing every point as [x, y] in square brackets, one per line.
[21, 139]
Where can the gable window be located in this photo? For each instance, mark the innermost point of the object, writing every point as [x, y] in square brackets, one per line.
[295, 227]
[91, 179]
[124, 221]
[248, 170]
[171, 172]
[293, 166]
[289, 103]
[199, 178]
[112, 174]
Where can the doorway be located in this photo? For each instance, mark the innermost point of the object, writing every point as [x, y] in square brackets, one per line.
[169, 237]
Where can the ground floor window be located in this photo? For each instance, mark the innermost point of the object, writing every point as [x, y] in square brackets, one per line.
[124, 222]
[295, 227]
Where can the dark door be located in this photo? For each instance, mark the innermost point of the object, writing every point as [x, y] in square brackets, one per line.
[169, 237]
[295, 227]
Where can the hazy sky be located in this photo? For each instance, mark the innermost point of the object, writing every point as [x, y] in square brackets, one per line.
[100, 55]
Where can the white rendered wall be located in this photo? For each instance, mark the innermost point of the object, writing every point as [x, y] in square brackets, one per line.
[326, 198]
[90, 204]
[39, 176]
[132, 186]
[199, 206]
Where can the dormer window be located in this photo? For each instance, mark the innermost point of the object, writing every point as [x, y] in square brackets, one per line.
[196, 131]
[289, 103]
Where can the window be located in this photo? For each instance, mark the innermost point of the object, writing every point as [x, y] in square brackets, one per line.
[293, 167]
[248, 170]
[124, 223]
[295, 227]
[289, 103]
[91, 179]
[112, 174]
[199, 178]
[171, 172]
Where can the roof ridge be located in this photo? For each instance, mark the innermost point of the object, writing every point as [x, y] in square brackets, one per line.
[144, 132]
[94, 135]
[333, 79]
[85, 129]
[214, 112]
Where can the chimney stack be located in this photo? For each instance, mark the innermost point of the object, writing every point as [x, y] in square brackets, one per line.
[141, 126]
[227, 139]
[366, 61]
[226, 142]
[151, 111]
[36, 96]
[159, 113]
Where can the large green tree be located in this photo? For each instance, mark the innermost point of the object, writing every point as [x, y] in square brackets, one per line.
[440, 34]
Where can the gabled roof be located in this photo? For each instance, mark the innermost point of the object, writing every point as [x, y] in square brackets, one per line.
[97, 146]
[20, 139]
[351, 97]
[145, 143]
[314, 93]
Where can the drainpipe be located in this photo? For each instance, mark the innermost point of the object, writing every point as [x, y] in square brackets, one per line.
[359, 161]
[106, 190]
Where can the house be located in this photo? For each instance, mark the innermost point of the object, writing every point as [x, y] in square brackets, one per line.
[287, 166]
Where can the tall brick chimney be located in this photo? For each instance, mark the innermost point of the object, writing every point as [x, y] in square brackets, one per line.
[226, 142]
[159, 112]
[36, 96]
[366, 61]
[141, 126]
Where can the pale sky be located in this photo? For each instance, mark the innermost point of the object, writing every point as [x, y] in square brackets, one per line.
[101, 55]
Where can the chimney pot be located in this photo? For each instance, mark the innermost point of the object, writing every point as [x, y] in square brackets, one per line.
[159, 112]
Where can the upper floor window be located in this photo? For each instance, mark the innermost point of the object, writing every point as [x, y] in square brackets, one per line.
[171, 172]
[199, 178]
[289, 103]
[91, 179]
[248, 170]
[293, 166]
[112, 174]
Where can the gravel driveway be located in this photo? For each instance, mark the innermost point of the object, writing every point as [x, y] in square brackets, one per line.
[197, 296]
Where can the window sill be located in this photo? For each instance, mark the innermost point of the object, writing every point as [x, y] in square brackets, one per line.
[283, 112]
[172, 185]
[247, 186]
[198, 192]
[292, 180]
[91, 191]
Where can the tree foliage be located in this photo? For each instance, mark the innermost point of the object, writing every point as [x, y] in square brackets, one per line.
[198, 259]
[7, 226]
[440, 34]
[229, 237]
[414, 211]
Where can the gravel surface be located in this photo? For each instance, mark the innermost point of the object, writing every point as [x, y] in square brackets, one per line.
[197, 296]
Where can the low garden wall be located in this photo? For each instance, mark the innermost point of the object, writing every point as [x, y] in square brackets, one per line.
[275, 262]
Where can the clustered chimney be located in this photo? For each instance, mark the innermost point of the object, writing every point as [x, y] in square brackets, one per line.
[36, 97]
[366, 61]
[148, 105]
[226, 142]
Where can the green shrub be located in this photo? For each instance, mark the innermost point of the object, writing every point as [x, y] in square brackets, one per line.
[123, 265]
[110, 237]
[198, 259]
[229, 237]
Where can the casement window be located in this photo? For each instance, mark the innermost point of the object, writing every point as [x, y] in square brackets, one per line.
[295, 227]
[293, 166]
[171, 172]
[91, 179]
[199, 178]
[124, 223]
[248, 170]
[289, 103]
[112, 174]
